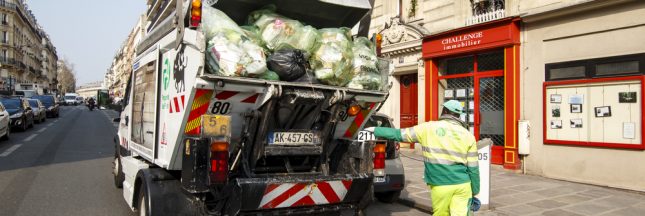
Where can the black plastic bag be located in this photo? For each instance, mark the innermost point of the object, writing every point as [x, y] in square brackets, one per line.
[289, 64]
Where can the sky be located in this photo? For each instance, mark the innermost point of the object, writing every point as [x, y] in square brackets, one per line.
[87, 32]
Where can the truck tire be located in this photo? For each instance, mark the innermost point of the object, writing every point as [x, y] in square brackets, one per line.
[388, 197]
[368, 198]
[119, 176]
[142, 203]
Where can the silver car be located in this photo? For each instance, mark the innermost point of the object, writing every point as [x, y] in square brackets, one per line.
[388, 188]
[40, 112]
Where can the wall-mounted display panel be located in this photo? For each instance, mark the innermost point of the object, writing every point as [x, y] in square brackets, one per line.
[604, 112]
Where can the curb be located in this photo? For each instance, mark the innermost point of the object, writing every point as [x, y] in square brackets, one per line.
[413, 204]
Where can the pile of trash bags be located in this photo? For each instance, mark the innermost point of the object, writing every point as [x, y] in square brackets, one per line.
[273, 47]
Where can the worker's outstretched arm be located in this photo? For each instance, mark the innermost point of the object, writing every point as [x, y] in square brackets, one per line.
[473, 168]
[400, 135]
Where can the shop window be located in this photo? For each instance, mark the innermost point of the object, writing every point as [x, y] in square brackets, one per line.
[490, 61]
[617, 68]
[457, 65]
[567, 72]
[626, 65]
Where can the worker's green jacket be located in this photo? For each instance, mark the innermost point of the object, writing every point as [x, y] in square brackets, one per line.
[449, 150]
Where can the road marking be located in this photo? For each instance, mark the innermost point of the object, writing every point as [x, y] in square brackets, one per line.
[10, 150]
[50, 124]
[30, 137]
[42, 129]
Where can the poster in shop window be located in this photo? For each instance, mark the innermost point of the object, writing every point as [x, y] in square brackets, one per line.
[576, 99]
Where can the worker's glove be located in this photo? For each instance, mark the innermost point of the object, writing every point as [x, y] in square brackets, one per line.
[370, 129]
[475, 204]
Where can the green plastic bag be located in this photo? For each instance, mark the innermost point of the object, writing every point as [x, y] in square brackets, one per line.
[365, 68]
[332, 61]
[231, 50]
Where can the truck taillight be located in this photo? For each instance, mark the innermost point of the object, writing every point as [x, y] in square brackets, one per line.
[195, 13]
[218, 162]
[379, 159]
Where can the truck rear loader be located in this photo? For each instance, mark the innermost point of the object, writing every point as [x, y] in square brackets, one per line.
[191, 142]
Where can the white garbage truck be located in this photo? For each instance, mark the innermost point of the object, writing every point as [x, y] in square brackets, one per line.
[190, 142]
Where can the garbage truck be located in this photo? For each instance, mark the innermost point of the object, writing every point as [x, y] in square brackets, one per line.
[190, 142]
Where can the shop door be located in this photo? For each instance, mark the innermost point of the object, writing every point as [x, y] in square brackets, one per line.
[477, 81]
[409, 115]
[490, 114]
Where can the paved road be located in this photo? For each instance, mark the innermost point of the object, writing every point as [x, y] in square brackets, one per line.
[63, 167]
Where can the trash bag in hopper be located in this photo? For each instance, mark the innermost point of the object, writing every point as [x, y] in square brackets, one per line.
[231, 51]
[332, 60]
[288, 64]
[269, 75]
[365, 69]
[279, 32]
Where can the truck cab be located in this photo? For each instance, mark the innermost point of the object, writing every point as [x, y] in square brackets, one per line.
[193, 142]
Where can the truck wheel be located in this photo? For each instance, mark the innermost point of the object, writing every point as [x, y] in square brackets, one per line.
[388, 197]
[143, 201]
[119, 177]
[367, 199]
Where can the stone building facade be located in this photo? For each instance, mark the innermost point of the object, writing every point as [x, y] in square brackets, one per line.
[28, 57]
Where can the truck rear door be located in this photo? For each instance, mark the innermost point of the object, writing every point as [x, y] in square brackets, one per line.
[144, 104]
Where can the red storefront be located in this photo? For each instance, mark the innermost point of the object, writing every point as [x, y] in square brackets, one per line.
[479, 66]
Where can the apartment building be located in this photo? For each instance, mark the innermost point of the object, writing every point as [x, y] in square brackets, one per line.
[27, 55]
[117, 75]
[556, 84]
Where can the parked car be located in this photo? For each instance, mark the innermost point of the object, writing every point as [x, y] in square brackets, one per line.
[51, 104]
[40, 113]
[5, 123]
[387, 188]
[21, 114]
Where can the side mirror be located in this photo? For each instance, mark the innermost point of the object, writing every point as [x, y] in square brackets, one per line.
[116, 120]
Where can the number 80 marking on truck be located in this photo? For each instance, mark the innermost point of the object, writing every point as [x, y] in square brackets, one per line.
[221, 107]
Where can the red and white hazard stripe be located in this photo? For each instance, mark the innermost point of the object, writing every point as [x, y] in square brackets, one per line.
[304, 194]
[242, 97]
[177, 104]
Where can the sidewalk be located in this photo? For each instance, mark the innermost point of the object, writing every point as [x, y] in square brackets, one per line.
[516, 194]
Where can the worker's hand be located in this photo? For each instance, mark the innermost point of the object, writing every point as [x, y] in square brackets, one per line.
[475, 204]
[370, 129]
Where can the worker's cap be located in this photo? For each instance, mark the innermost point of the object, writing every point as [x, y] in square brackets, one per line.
[454, 106]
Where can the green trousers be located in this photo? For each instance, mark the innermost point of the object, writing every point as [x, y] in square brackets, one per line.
[451, 200]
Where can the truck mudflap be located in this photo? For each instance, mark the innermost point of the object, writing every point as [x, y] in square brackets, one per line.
[299, 194]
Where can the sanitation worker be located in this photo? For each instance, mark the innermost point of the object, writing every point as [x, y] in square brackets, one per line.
[450, 159]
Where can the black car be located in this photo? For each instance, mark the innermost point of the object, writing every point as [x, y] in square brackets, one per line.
[51, 104]
[21, 114]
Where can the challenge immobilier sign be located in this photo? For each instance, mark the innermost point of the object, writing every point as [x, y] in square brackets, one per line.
[469, 39]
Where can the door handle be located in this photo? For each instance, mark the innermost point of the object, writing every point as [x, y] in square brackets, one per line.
[149, 132]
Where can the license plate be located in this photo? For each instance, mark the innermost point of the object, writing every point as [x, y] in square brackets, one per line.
[216, 125]
[379, 179]
[293, 138]
[365, 136]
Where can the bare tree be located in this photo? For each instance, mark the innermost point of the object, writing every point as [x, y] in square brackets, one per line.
[66, 76]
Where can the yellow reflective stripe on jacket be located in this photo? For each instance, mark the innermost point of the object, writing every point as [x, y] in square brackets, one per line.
[409, 135]
[444, 140]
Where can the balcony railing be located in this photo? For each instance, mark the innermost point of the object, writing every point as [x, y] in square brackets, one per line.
[8, 5]
[486, 17]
